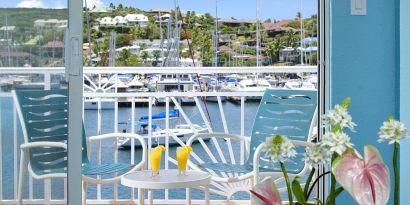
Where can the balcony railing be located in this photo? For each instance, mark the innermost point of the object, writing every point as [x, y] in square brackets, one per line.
[214, 116]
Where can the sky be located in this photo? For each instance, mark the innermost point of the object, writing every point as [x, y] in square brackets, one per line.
[240, 9]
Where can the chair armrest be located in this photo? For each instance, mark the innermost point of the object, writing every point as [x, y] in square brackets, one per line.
[259, 150]
[115, 135]
[43, 144]
[126, 135]
[217, 135]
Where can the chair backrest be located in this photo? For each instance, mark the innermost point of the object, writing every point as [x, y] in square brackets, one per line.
[284, 112]
[44, 118]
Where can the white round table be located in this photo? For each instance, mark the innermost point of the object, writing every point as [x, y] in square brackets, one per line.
[167, 179]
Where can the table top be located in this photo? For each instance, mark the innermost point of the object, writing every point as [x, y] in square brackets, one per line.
[167, 179]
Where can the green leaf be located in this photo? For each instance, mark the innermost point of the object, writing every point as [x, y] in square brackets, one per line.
[319, 201]
[337, 192]
[346, 102]
[297, 190]
[307, 185]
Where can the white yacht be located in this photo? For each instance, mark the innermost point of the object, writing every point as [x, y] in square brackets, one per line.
[299, 85]
[180, 133]
[176, 83]
[252, 85]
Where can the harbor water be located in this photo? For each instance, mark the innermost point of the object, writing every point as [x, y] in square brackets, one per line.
[232, 114]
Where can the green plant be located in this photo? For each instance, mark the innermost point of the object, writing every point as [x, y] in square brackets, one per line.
[394, 131]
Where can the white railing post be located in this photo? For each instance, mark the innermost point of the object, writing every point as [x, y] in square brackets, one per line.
[132, 140]
[242, 152]
[15, 148]
[167, 139]
[115, 185]
[99, 144]
[149, 129]
[47, 81]
[1, 158]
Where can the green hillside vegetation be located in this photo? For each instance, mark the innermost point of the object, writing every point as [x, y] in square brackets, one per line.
[25, 17]
[197, 28]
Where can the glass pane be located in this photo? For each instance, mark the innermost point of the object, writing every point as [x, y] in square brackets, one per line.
[32, 41]
[128, 47]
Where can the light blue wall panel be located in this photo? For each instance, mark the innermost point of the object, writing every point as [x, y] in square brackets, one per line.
[405, 98]
[363, 66]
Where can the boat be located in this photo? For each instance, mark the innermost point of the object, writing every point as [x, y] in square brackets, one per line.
[158, 137]
[299, 85]
[251, 85]
[176, 83]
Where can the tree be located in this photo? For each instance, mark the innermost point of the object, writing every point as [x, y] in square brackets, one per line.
[156, 55]
[274, 48]
[143, 46]
[144, 55]
[124, 55]
[298, 15]
[292, 39]
[124, 40]
[152, 31]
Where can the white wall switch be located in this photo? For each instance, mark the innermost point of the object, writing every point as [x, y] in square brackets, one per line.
[358, 7]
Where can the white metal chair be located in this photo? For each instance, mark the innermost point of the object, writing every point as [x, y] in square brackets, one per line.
[43, 117]
[236, 162]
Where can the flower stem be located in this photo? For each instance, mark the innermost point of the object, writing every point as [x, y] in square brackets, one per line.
[396, 174]
[285, 174]
[333, 184]
[315, 182]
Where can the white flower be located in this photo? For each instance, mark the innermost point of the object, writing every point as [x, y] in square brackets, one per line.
[336, 142]
[339, 116]
[317, 155]
[279, 148]
[392, 131]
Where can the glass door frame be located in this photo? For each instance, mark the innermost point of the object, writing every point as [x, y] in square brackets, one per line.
[74, 75]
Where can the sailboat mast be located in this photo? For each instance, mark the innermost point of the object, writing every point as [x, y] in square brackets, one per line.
[111, 62]
[216, 43]
[301, 34]
[88, 33]
[257, 34]
[8, 42]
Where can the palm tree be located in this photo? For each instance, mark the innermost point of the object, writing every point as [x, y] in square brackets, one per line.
[275, 47]
[292, 40]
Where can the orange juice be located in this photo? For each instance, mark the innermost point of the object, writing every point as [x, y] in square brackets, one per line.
[182, 157]
[155, 159]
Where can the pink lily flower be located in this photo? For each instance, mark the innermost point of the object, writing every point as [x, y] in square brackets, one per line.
[367, 180]
[266, 193]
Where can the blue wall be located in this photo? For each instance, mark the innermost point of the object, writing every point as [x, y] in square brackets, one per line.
[363, 66]
[405, 97]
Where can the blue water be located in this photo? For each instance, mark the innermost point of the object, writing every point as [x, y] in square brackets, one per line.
[232, 113]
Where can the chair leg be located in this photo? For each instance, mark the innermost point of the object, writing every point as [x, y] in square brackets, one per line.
[84, 196]
[21, 178]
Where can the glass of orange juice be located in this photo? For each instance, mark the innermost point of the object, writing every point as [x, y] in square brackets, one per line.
[182, 158]
[155, 159]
